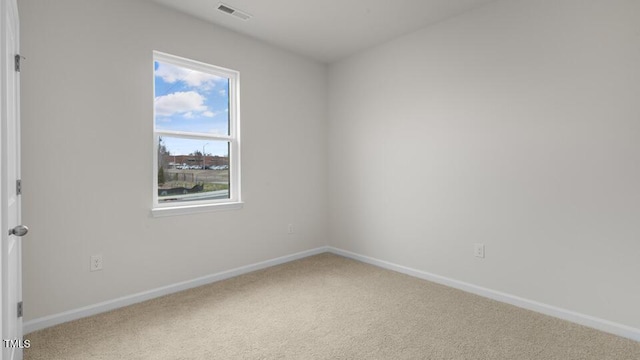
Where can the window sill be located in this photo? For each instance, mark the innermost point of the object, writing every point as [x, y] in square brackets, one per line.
[194, 209]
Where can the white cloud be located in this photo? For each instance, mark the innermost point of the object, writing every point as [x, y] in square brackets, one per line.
[222, 92]
[209, 114]
[185, 103]
[171, 73]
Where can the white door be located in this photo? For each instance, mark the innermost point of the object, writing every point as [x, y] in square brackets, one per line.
[11, 231]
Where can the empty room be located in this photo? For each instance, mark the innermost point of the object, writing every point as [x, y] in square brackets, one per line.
[356, 179]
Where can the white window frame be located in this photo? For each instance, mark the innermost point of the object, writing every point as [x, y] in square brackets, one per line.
[234, 201]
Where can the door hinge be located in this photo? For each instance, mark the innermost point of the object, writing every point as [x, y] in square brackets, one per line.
[18, 187]
[18, 58]
[20, 309]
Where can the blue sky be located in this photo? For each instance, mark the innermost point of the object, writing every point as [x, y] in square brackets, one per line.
[192, 101]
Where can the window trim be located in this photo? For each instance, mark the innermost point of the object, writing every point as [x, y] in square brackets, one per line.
[235, 200]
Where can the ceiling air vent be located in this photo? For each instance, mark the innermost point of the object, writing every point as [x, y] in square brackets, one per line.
[235, 12]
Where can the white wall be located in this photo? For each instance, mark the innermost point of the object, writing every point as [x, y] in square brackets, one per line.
[87, 102]
[515, 125]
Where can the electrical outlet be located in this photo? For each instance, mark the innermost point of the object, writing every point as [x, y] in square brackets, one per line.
[96, 262]
[290, 229]
[478, 250]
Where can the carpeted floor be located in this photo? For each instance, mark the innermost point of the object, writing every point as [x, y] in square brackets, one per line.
[324, 307]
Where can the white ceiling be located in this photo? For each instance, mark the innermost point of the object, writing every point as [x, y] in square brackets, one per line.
[326, 30]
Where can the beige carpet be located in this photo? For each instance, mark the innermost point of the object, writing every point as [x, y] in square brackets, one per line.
[325, 307]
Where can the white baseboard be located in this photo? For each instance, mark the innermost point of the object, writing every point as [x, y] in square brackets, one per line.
[52, 320]
[582, 319]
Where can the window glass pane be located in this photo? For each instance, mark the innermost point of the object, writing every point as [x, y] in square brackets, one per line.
[190, 100]
[191, 169]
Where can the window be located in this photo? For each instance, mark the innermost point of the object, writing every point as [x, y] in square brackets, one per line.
[196, 136]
